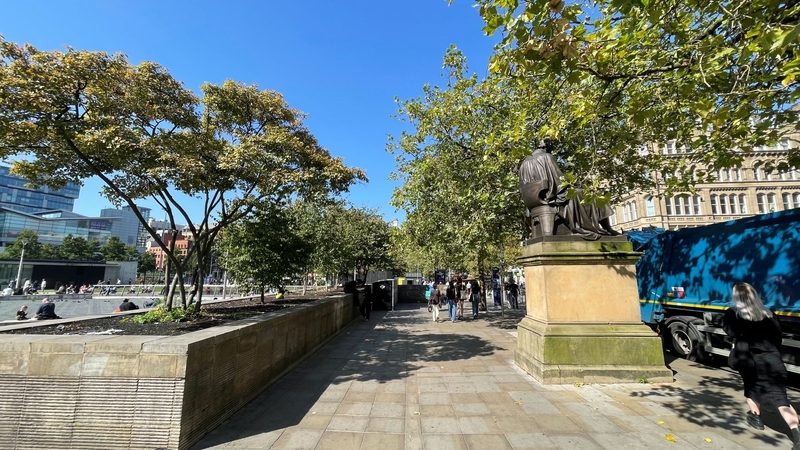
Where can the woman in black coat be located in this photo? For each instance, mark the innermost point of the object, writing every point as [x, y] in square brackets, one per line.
[762, 370]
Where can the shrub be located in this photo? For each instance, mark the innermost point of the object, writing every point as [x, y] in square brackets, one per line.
[160, 314]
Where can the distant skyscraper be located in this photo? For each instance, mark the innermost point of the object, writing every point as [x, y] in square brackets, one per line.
[14, 195]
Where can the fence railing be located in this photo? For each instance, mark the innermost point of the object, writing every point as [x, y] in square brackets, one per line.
[159, 290]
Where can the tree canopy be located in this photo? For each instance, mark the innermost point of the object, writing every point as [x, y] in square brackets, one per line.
[67, 116]
[718, 77]
[263, 249]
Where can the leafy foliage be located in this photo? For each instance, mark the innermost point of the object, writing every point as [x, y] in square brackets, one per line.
[719, 77]
[116, 250]
[159, 314]
[76, 114]
[264, 248]
[146, 263]
[33, 248]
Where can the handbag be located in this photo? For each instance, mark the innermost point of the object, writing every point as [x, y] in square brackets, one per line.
[741, 358]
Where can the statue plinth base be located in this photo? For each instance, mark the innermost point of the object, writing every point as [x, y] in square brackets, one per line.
[583, 322]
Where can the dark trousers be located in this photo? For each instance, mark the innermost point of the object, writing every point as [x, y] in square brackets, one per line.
[364, 308]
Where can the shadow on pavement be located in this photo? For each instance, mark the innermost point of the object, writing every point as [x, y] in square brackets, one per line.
[391, 346]
[714, 401]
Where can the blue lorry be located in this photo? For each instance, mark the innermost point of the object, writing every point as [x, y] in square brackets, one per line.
[685, 279]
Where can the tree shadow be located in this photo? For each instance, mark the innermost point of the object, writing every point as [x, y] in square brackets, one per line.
[707, 261]
[708, 402]
[389, 347]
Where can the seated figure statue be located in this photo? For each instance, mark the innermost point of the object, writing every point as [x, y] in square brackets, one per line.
[548, 210]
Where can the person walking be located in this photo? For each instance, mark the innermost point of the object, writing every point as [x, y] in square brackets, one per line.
[450, 295]
[513, 293]
[756, 357]
[460, 298]
[44, 285]
[475, 297]
[433, 304]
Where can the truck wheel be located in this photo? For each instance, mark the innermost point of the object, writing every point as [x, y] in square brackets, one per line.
[682, 339]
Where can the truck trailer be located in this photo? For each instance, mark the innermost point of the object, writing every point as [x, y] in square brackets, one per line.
[685, 279]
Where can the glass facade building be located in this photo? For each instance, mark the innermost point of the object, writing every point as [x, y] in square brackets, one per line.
[14, 195]
[53, 227]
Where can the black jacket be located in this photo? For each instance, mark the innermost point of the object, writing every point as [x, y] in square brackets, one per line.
[764, 335]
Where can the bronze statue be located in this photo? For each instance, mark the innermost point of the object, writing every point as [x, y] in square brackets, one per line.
[548, 210]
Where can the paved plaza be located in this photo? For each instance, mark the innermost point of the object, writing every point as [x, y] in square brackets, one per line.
[401, 381]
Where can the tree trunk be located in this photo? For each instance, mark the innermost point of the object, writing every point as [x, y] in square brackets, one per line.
[305, 282]
[171, 294]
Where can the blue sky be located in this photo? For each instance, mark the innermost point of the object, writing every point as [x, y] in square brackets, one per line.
[342, 63]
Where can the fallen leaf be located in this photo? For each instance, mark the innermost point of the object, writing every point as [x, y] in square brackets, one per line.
[660, 422]
[416, 413]
[707, 440]
[579, 384]
[519, 403]
[671, 438]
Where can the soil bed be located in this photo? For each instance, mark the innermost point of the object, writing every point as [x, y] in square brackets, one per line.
[212, 315]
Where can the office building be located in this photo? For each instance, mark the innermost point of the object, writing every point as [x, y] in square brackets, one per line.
[15, 195]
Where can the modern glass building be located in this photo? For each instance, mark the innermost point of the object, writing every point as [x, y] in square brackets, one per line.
[14, 195]
[53, 226]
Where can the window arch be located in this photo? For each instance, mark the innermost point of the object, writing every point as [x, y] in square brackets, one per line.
[732, 202]
[649, 206]
[742, 204]
[723, 204]
[698, 208]
[772, 201]
[762, 203]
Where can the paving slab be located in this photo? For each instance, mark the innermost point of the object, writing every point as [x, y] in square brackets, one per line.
[401, 381]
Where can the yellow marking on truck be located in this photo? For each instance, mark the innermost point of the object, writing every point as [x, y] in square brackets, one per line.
[715, 307]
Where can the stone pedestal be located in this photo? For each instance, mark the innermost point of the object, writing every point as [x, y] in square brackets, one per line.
[583, 322]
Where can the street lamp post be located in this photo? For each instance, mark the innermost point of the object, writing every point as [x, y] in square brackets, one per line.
[19, 271]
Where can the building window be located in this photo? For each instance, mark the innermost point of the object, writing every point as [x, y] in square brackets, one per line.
[742, 204]
[625, 214]
[698, 210]
[732, 199]
[723, 204]
[768, 175]
[757, 173]
[787, 201]
[649, 206]
[721, 175]
[783, 144]
[687, 205]
[737, 174]
[671, 148]
[635, 210]
[772, 201]
[762, 204]
[714, 209]
[796, 197]
[668, 202]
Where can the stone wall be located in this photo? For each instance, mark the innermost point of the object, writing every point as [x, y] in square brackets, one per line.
[148, 392]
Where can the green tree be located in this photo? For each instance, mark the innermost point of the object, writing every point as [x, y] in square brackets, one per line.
[146, 263]
[263, 249]
[78, 248]
[719, 77]
[78, 114]
[33, 248]
[116, 250]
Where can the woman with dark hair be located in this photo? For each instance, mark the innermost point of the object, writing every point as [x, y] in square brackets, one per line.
[757, 335]
[450, 295]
